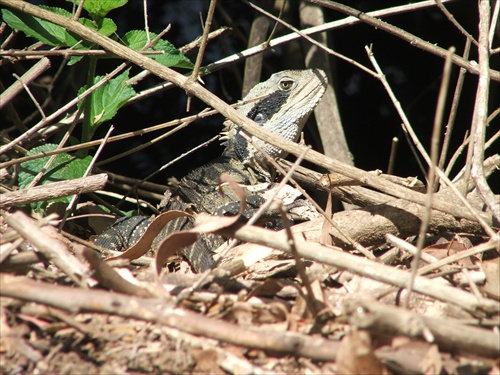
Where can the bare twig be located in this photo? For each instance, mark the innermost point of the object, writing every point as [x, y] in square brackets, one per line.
[361, 266]
[53, 250]
[32, 74]
[436, 131]
[453, 110]
[53, 190]
[311, 40]
[404, 35]
[74, 198]
[201, 51]
[481, 113]
[452, 19]
[392, 156]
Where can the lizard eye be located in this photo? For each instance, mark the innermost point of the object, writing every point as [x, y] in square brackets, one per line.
[286, 84]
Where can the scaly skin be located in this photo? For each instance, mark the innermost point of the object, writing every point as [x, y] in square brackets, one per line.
[282, 105]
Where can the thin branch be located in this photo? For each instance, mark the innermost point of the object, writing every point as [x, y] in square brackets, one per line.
[33, 73]
[311, 40]
[453, 110]
[404, 35]
[452, 19]
[436, 131]
[481, 113]
[201, 51]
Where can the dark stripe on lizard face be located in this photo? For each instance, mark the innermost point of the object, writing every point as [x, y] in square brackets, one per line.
[261, 112]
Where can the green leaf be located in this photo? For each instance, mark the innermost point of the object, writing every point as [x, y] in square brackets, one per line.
[44, 31]
[107, 27]
[137, 39]
[99, 8]
[64, 167]
[108, 98]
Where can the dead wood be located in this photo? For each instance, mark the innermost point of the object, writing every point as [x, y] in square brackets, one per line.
[53, 249]
[359, 266]
[450, 334]
[163, 312]
[54, 190]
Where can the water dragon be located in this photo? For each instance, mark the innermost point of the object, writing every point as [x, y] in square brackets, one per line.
[281, 105]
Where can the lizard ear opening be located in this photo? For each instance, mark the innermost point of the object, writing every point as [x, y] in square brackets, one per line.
[260, 118]
[286, 83]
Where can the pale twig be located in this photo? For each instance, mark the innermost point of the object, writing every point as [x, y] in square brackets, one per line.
[28, 91]
[456, 155]
[452, 19]
[311, 40]
[492, 140]
[203, 44]
[78, 12]
[476, 148]
[465, 202]
[65, 53]
[493, 114]
[406, 123]
[275, 27]
[145, 145]
[479, 249]
[494, 23]
[146, 23]
[453, 110]
[73, 200]
[310, 300]
[66, 136]
[33, 73]
[392, 156]
[436, 131]
[404, 35]
[408, 247]
[8, 39]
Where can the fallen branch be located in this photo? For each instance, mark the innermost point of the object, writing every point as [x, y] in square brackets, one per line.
[50, 247]
[54, 190]
[450, 335]
[162, 312]
[358, 265]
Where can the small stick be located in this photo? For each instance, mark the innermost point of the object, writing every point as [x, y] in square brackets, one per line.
[28, 77]
[453, 110]
[392, 156]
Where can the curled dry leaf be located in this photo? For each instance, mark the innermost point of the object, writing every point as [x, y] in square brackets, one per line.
[142, 246]
[204, 224]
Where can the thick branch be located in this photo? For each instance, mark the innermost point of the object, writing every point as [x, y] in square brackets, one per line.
[161, 312]
[54, 190]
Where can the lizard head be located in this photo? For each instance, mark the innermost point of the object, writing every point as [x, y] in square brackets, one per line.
[281, 105]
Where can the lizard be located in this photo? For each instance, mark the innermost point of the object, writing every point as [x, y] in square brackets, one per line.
[281, 105]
